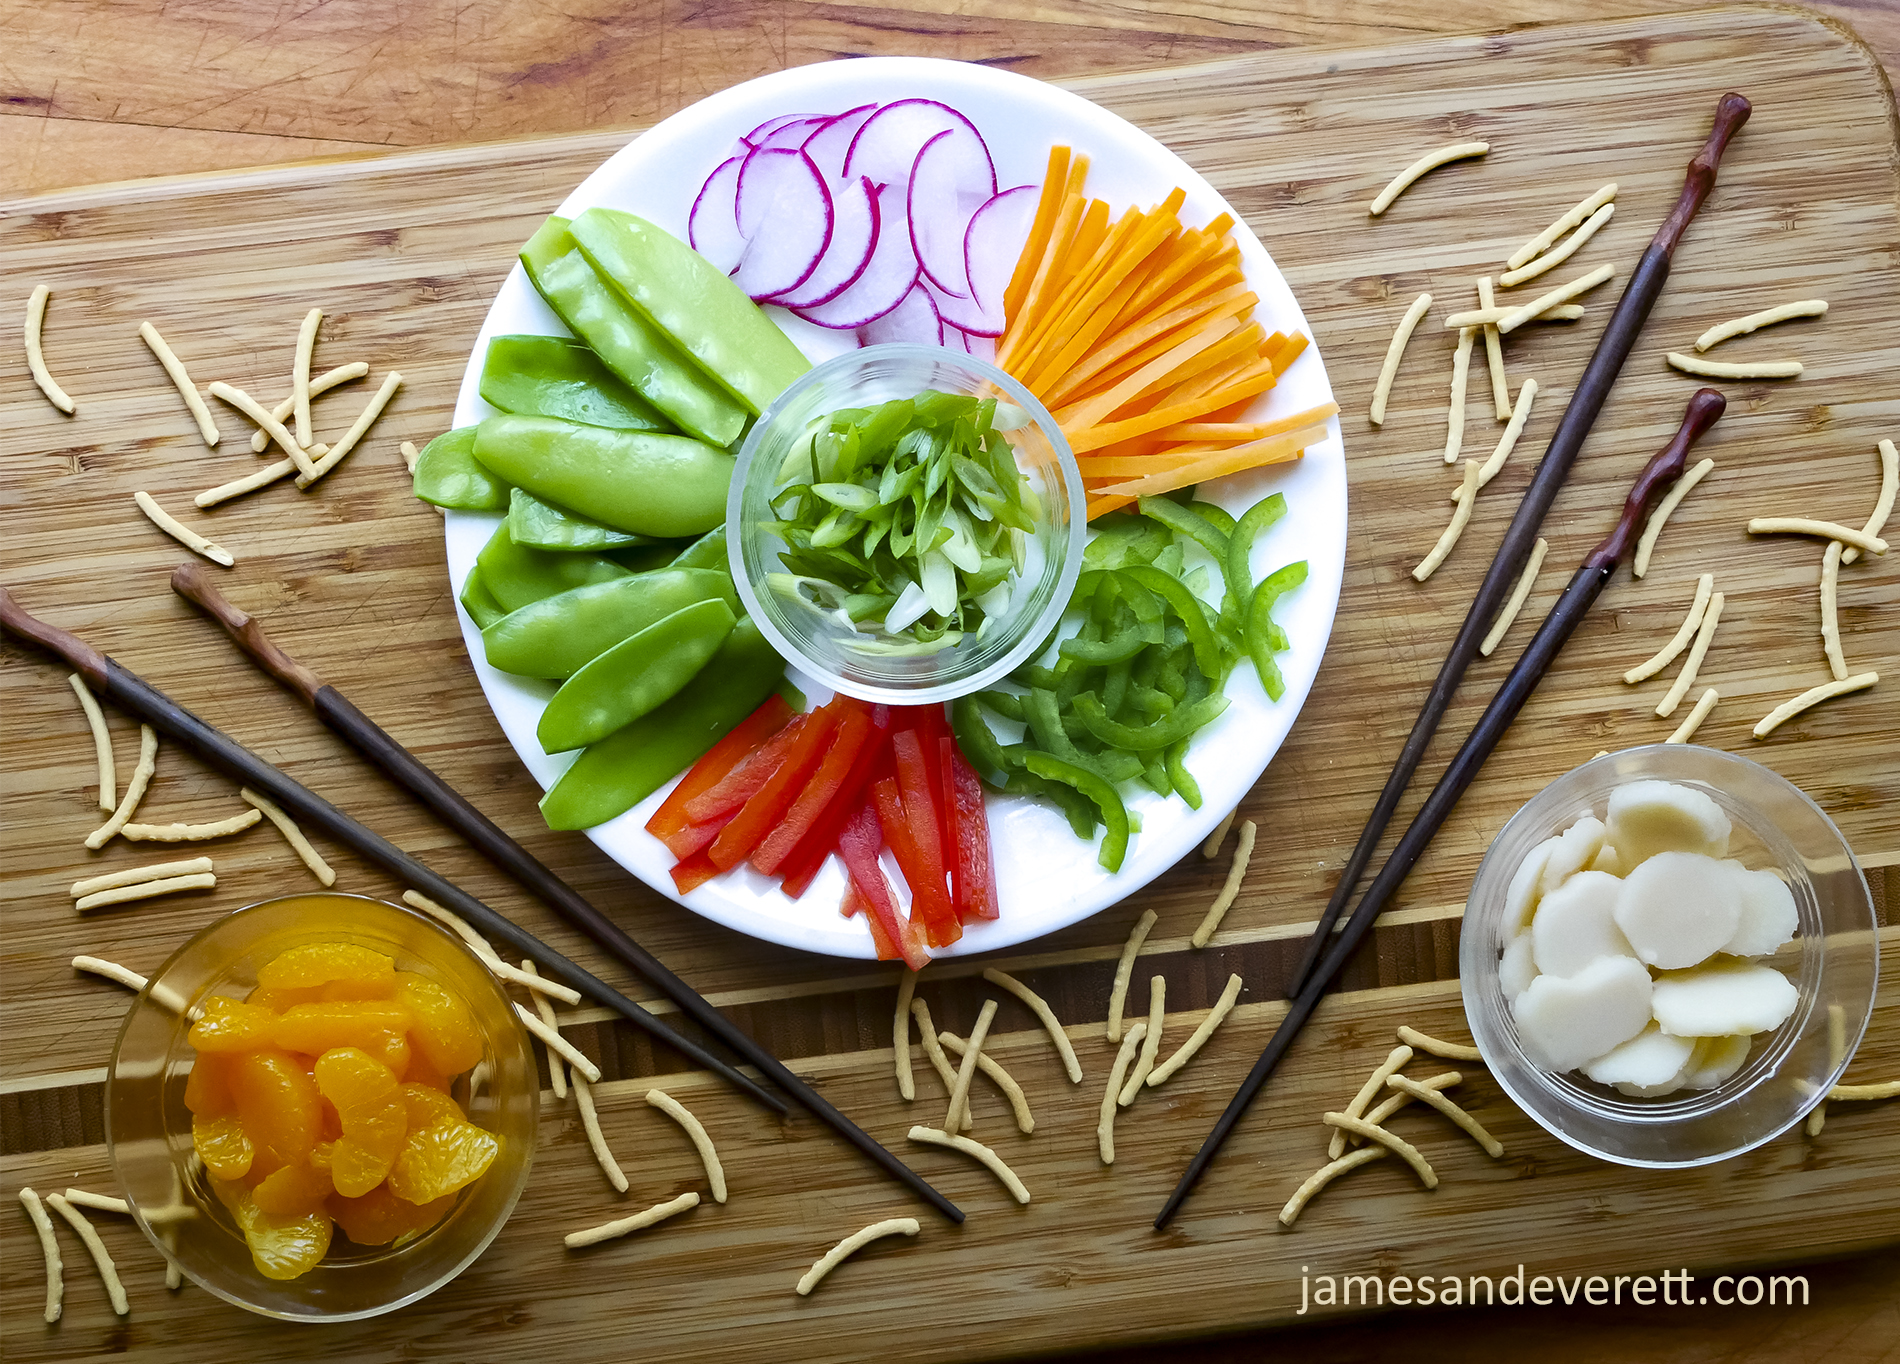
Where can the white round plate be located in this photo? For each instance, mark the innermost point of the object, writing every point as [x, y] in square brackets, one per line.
[1046, 877]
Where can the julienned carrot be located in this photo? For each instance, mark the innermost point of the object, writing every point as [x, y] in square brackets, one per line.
[1091, 411]
[1053, 186]
[1077, 324]
[1139, 337]
[1254, 380]
[1271, 450]
[1132, 349]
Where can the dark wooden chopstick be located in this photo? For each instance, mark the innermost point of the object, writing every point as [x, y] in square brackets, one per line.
[1613, 348]
[138, 698]
[1598, 567]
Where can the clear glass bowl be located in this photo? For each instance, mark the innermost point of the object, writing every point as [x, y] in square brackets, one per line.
[148, 1130]
[816, 644]
[1834, 961]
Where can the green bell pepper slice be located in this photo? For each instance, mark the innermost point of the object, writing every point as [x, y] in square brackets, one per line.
[1077, 808]
[975, 738]
[556, 376]
[1105, 798]
[612, 776]
[559, 635]
[1005, 703]
[640, 482]
[693, 302]
[626, 341]
[542, 525]
[1185, 523]
[1186, 607]
[479, 602]
[635, 676]
[448, 475]
[1183, 780]
[1237, 568]
[1170, 729]
[1263, 636]
[518, 575]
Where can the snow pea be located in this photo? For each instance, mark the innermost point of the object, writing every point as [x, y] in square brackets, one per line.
[693, 302]
[634, 676]
[626, 340]
[640, 482]
[1104, 796]
[708, 551]
[556, 376]
[518, 575]
[559, 635]
[614, 775]
[542, 525]
[479, 602]
[448, 475]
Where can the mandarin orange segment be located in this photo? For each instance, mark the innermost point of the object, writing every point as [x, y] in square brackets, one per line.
[278, 1102]
[420, 1072]
[349, 1077]
[282, 1247]
[428, 1107]
[208, 1086]
[373, 987]
[364, 1154]
[221, 1143]
[379, 1217]
[264, 997]
[322, 1152]
[316, 1028]
[293, 1191]
[439, 1160]
[444, 1030]
[231, 1025]
[320, 963]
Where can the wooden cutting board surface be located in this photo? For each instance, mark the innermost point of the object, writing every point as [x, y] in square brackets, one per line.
[404, 254]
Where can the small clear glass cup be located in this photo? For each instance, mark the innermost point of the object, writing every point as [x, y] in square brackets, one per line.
[816, 644]
[1834, 962]
[148, 1129]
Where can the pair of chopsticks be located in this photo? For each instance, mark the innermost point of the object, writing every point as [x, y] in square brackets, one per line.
[138, 698]
[1326, 953]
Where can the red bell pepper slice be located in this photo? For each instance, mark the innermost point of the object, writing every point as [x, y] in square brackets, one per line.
[692, 872]
[802, 864]
[769, 803]
[739, 743]
[973, 868]
[827, 784]
[929, 897]
[738, 786]
[858, 845]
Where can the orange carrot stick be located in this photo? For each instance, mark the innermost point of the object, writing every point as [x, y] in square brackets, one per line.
[1077, 327]
[1114, 360]
[1054, 185]
[1074, 206]
[1081, 272]
[1257, 379]
[1090, 412]
[1272, 450]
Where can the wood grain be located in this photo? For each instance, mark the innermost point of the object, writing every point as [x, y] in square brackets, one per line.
[111, 89]
[405, 254]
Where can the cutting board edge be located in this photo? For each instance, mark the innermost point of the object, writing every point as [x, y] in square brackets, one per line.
[352, 164]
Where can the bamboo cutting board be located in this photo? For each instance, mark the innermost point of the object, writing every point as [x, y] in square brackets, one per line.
[404, 254]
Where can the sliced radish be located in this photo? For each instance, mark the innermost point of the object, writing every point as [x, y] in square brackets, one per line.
[829, 146]
[713, 227]
[886, 146]
[993, 242]
[854, 233]
[954, 338]
[785, 214]
[964, 314]
[951, 178]
[770, 126]
[795, 133]
[887, 277]
[914, 319]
